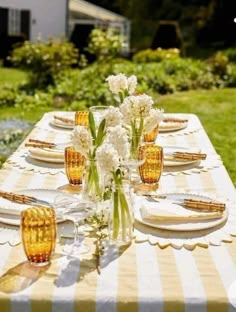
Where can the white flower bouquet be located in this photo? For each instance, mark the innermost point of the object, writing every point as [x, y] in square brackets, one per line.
[86, 141]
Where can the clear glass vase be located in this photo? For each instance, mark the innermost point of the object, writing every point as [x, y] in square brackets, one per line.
[92, 181]
[121, 216]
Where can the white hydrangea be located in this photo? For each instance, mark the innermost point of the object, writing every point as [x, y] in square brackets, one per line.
[107, 158]
[119, 139]
[81, 140]
[120, 83]
[154, 118]
[113, 116]
[135, 106]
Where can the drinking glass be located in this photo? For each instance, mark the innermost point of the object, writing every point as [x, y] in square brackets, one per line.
[76, 210]
[152, 135]
[98, 113]
[150, 171]
[74, 168]
[38, 232]
[81, 118]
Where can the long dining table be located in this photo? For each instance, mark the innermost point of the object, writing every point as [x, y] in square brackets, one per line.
[162, 270]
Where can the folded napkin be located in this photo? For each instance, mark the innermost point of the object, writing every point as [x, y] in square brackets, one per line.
[47, 154]
[167, 211]
[11, 208]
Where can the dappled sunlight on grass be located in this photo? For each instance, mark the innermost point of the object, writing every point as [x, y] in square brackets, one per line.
[216, 110]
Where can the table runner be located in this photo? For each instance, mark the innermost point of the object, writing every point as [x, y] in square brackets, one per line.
[141, 277]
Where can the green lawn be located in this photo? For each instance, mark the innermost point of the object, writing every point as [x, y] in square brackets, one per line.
[215, 108]
[12, 76]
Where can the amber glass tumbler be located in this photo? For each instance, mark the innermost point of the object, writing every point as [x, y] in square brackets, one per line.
[38, 233]
[74, 165]
[150, 171]
[81, 118]
[152, 135]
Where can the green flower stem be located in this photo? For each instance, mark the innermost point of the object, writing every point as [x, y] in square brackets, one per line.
[122, 219]
[116, 218]
[137, 130]
[93, 185]
[127, 219]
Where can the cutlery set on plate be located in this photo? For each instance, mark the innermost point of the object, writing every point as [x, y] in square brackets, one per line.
[44, 144]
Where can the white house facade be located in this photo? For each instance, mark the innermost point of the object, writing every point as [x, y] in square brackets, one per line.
[33, 18]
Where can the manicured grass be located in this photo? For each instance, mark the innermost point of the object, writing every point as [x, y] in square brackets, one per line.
[216, 110]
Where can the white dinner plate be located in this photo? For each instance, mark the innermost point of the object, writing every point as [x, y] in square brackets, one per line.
[47, 155]
[172, 126]
[183, 225]
[170, 162]
[62, 124]
[44, 194]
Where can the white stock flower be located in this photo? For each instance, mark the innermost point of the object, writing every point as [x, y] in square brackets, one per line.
[81, 140]
[118, 137]
[135, 106]
[132, 83]
[113, 116]
[154, 118]
[120, 83]
[107, 158]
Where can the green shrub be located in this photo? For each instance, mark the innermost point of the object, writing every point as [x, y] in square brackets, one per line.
[230, 54]
[231, 82]
[104, 44]
[37, 101]
[45, 60]
[8, 95]
[219, 64]
[157, 55]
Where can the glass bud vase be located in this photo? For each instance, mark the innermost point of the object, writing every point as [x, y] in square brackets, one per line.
[121, 216]
[92, 181]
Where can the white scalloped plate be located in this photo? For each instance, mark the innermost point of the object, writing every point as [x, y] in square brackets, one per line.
[182, 226]
[172, 126]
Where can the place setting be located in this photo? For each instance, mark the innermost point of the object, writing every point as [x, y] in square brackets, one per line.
[62, 121]
[59, 122]
[178, 124]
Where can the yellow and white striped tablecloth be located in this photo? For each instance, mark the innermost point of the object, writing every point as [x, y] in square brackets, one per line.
[140, 277]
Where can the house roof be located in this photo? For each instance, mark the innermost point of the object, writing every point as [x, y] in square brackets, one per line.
[93, 11]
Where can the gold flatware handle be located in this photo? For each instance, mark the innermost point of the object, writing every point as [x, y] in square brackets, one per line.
[189, 156]
[172, 119]
[204, 205]
[18, 198]
[39, 145]
[64, 119]
[41, 142]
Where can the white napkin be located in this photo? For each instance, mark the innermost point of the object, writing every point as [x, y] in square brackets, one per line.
[8, 207]
[47, 154]
[167, 211]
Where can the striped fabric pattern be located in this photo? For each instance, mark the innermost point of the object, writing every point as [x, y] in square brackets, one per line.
[141, 277]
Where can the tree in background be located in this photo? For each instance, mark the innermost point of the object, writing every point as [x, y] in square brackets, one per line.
[204, 23]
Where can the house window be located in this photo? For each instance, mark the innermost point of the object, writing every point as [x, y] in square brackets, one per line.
[14, 22]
